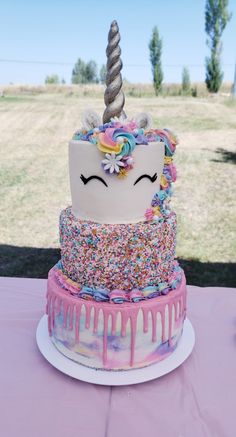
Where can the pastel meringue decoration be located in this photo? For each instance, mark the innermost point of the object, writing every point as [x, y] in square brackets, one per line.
[118, 296]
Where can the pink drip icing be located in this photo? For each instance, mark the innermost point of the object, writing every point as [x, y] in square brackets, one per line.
[65, 312]
[113, 324]
[170, 323]
[58, 300]
[133, 323]
[145, 319]
[71, 317]
[57, 306]
[154, 325]
[124, 320]
[105, 316]
[95, 322]
[49, 314]
[53, 306]
[176, 308]
[162, 312]
[88, 316]
[180, 306]
[77, 320]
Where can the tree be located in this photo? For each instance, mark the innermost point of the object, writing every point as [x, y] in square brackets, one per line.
[102, 74]
[91, 72]
[84, 73]
[79, 72]
[216, 19]
[155, 49]
[53, 79]
[186, 84]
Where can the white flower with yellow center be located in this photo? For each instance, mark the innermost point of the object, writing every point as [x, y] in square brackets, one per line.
[112, 162]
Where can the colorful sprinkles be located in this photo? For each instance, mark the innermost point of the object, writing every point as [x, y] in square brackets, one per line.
[118, 263]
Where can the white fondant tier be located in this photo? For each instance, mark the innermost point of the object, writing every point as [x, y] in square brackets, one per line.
[120, 201]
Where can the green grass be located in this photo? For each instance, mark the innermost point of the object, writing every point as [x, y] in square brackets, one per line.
[35, 129]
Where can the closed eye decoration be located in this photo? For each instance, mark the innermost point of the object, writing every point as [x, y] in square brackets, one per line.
[151, 178]
[86, 180]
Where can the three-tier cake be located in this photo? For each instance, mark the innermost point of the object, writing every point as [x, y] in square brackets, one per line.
[117, 298]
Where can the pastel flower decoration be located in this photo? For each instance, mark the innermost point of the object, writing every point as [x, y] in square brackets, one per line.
[106, 142]
[162, 195]
[118, 296]
[164, 182]
[140, 138]
[159, 198]
[130, 126]
[101, 295]
[150, 291]
[173, 172]
[128, 144]
[122, 173]
[173, 138]
[112, 163]
[86, 293]
[168, 160]
[156, 211]
[136, 295]
[156, 201]
[166, 173]
[171, 142]
[149, 214]
[151, 136]
[168, 139]
[128, 162]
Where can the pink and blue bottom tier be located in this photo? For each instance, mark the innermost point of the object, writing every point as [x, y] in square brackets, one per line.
[115, 336]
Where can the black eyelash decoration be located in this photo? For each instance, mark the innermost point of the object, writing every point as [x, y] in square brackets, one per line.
[86, 180]
[151, 178]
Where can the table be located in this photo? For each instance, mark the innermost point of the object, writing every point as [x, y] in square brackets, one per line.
[196, 400]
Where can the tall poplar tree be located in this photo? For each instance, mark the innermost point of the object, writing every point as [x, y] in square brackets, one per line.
[155, 49]
[216, 19]
[186, 84]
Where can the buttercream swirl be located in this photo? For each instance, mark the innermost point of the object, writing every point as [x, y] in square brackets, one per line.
[116, 140]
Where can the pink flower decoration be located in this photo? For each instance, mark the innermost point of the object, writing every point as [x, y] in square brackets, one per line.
[149, 214]
[129, 127]
[173, 172]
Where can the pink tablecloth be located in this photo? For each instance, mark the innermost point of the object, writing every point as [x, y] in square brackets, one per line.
[196, 400]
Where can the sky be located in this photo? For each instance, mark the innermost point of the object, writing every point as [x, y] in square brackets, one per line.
[48, 36]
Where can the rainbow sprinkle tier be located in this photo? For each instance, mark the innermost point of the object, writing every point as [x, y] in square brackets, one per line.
[118, 337]
[121, 257]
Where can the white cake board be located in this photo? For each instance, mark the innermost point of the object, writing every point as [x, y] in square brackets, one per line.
[111, 377]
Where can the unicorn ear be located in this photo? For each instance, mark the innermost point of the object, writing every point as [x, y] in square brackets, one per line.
[144, 120]
[91, 119]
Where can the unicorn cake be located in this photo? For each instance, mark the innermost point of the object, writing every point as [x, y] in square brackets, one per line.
[117, 298]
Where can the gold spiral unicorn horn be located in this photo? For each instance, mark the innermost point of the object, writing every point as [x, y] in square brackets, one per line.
[114, 97]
